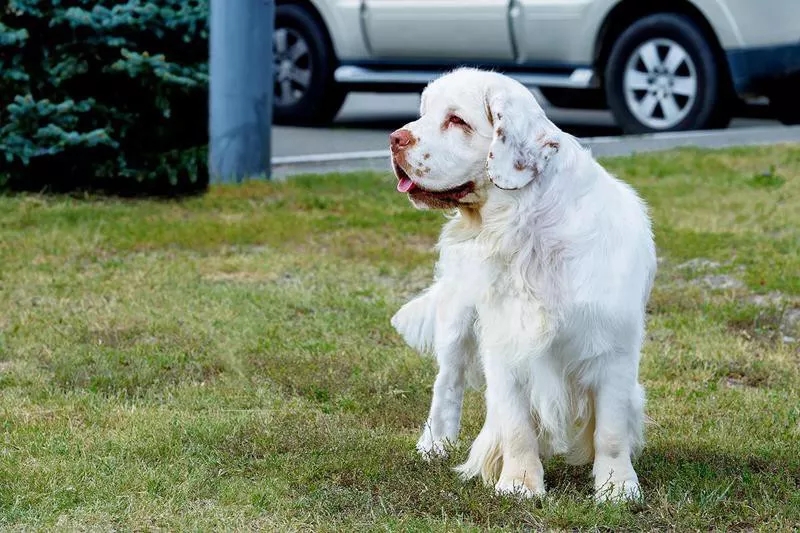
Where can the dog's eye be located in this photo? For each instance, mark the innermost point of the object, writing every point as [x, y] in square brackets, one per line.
[454, 120]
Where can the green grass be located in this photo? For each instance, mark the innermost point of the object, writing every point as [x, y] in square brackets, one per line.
[227, 362]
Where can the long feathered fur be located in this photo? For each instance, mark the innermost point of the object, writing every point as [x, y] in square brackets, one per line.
[546, 271]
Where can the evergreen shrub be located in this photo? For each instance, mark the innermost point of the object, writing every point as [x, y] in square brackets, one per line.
[104, 94]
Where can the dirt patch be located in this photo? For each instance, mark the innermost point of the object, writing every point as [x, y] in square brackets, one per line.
[773, 299]
[790, 324]
[699, 263]
[719, 282]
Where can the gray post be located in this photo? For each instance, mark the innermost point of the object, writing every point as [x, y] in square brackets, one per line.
[240, 89]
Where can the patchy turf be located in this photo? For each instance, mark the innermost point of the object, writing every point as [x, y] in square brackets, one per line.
[226, 362]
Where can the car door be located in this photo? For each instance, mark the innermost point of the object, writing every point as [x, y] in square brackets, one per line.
[557, 32]
[438, 31]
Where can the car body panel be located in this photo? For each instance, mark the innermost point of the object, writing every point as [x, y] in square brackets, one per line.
[558, 31]
[765, 23]
[721, 20]
[342, 20]
[422, 29]
[756, 71]
[539, 38]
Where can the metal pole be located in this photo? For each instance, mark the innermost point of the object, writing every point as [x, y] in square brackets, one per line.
[240, 89]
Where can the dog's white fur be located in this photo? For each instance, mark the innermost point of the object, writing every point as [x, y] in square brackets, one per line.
[539, 291]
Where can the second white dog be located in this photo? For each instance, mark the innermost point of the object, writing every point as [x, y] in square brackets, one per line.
[539, 292]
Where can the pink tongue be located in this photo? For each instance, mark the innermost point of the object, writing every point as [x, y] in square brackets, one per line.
[405, 185]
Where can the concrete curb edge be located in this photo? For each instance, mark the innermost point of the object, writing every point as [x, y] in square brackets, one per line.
[378, 160]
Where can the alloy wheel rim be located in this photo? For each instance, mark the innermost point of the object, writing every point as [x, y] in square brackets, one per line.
[292, 66]
[660, 83]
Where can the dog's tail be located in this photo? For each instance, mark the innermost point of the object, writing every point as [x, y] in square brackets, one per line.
[581, 450]
[485, 457]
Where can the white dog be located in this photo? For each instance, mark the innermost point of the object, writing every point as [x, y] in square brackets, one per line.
[539, 292]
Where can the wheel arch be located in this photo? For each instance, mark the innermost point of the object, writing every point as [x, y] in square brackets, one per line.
[626, 12]
[315, 13]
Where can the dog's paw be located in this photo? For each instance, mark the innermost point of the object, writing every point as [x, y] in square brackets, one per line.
[430, 448]
[524, 487]
[618, 491]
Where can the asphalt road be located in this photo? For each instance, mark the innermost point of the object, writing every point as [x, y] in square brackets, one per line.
[366, 120]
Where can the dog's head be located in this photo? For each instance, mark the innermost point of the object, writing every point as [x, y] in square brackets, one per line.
[477, 130]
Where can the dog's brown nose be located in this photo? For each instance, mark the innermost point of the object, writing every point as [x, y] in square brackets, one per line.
[400, 139]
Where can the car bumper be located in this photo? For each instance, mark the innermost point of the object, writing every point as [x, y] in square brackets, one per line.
[756, 70]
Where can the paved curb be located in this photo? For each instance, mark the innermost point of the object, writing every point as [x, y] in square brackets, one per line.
[283, 167]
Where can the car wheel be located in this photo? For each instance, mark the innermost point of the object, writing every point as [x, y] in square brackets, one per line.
[662, 75]
[305, 91]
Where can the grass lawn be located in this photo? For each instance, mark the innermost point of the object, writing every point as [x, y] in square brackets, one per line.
[226, 362]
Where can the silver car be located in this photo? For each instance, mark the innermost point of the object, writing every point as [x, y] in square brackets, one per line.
[660, 65]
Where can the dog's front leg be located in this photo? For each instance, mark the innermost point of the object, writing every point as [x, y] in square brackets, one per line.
[508, 404]
[619, 405]
[513, 332]
[436, 321]
[619, 412]
[455, 348]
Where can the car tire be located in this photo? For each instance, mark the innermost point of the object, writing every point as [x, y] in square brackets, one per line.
[305, 90]
[662, 75]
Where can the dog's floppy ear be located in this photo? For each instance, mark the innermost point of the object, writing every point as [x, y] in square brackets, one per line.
[524, 140]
